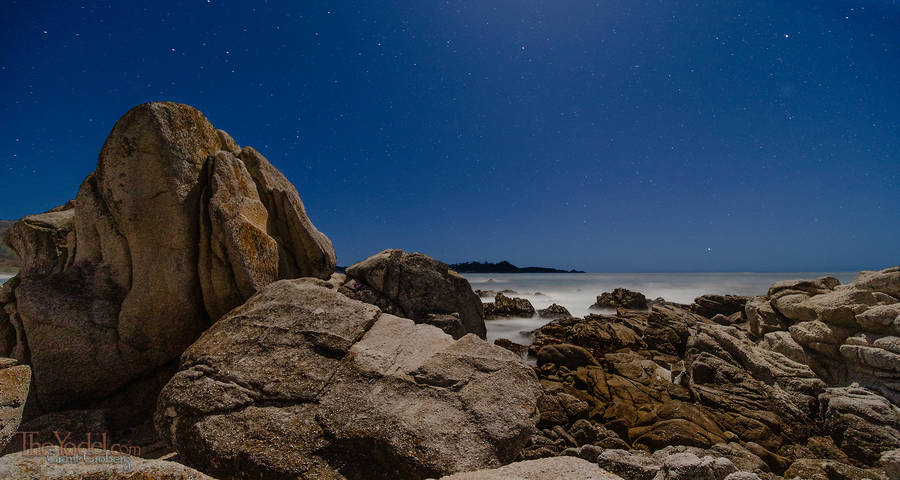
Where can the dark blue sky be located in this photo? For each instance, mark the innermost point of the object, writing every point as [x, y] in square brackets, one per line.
[606, 136]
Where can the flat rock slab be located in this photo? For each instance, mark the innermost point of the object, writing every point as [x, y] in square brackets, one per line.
[557, 468]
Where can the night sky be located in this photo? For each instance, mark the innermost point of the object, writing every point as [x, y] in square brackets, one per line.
[604, 136]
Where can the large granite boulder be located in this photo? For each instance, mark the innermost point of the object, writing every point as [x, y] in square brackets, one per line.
[177, 226]
[557, 468]
[14, 383]
[326, 386]
[93, 464]
[416, 286]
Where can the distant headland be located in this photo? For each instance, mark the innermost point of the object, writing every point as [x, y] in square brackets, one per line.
[503, 267]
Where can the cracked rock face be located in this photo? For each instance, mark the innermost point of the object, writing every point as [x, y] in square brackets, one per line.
[330, 387]
[177, 226]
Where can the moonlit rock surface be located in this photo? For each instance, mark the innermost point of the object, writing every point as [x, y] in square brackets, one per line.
[326, 385]
[176, 226]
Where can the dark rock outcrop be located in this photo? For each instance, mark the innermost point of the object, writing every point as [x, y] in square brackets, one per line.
[554, 311]
[711, 305]
[504, 307]
[416, 286]
[621, 298]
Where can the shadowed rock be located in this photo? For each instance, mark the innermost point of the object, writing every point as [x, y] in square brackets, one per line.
[712, 305]
[621, 298]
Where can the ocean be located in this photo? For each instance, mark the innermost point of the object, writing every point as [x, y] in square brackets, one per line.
[578, 291]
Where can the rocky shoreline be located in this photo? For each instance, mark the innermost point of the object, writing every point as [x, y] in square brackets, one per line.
[184, 306]
[799, 383]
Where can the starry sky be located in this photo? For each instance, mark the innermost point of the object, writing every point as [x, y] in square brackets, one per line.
[599, 135]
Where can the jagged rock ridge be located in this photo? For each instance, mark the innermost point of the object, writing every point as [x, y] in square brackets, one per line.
[177, 226]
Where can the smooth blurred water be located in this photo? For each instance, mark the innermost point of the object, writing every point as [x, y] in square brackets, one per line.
[578, 291]
[4, 277]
